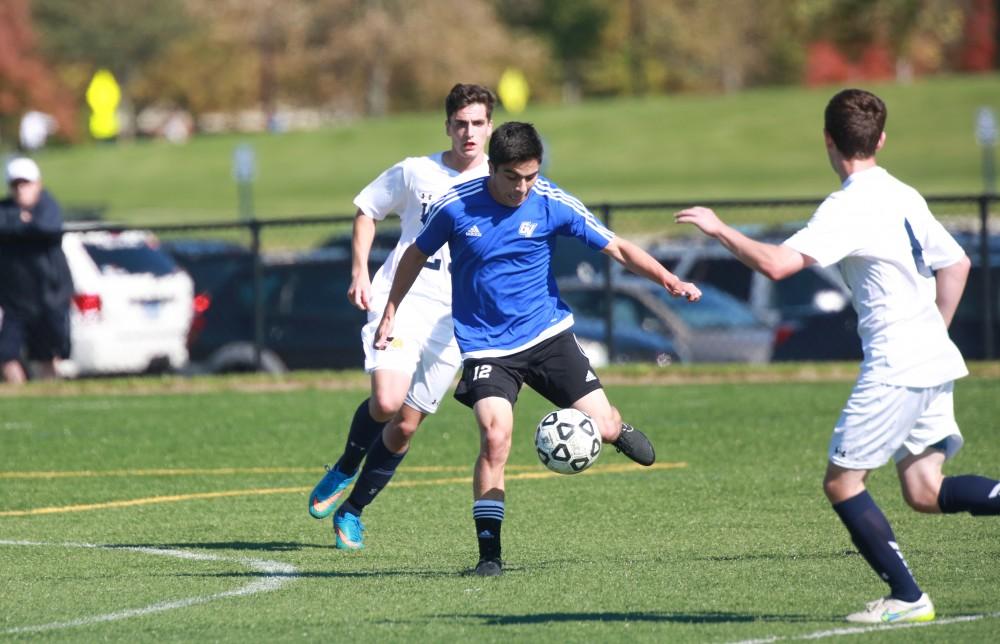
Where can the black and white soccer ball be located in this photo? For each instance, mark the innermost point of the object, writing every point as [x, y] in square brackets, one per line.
[567, 441]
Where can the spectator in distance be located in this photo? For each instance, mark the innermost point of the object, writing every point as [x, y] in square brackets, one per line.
[35, 283]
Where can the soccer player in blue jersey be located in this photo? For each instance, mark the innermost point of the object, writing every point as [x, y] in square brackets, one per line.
[510, 323]
[906, 275]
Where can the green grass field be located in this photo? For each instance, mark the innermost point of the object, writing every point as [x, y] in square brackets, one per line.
[197, 501]
[764, 143]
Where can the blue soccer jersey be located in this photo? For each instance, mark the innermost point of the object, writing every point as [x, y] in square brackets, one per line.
[504, 296]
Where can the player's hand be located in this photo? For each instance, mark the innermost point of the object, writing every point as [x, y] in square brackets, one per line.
[685, 290]
[704, 218]
[383, 334]
[360, 292]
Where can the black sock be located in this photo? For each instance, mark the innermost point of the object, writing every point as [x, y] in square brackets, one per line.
[976, 495]
[364, 431]
[488, 515]
[379, 467]
[871, 533]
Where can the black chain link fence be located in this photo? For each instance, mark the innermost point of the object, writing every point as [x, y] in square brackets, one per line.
[801, 322]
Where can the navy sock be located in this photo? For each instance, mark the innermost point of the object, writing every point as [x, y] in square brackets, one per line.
[488, 515]
[379, 467]
[364, 431]
[976, 495]
[347, 508]
[871, 533]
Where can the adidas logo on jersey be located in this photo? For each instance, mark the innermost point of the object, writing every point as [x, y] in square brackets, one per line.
[590, 377]
[473, 232]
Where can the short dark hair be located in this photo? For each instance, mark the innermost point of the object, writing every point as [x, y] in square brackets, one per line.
[855, 119]
[514, 142]
[462, 95]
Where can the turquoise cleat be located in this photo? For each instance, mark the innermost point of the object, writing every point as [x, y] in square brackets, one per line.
[326, 494]
[349, 531]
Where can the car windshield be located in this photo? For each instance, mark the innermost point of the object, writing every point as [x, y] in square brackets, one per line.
[716, 309]
[139, 258]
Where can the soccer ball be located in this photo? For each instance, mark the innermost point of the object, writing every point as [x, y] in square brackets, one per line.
[567, 441]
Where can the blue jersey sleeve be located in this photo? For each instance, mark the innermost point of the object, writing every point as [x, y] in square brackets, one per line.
[573, 219]
[436, 231]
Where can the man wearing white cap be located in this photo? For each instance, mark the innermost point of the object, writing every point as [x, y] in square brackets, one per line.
[35, 282]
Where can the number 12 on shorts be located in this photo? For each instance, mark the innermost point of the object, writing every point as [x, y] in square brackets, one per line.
[482, 372]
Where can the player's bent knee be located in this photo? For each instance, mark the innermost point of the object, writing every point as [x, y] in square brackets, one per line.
[838, 490]
[407, 428]
[384, 406]
[923, 499]
[398, 434]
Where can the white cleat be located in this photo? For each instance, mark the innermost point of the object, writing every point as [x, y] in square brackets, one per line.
[895, 611]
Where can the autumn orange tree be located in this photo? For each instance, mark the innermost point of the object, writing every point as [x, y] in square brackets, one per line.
[27, 82]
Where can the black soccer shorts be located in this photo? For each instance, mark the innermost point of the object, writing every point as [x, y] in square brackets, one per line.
[556, 368]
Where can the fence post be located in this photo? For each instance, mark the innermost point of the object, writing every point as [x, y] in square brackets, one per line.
[984, 262]
[258, 302]
[609, 337]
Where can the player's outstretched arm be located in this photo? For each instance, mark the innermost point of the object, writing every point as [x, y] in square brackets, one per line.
[406, 273]
[950, 283]
[642, 263]
[774, 261]
[360, 290]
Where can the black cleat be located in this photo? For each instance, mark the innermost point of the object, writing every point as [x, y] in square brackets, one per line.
[634, 444]
[489, 568]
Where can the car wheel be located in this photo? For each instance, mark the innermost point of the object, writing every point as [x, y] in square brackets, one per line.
[239, 358]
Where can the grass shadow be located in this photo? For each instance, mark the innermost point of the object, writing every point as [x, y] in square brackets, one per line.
[490, 619]
[773, 556]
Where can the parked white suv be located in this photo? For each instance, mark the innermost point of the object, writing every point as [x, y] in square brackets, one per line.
[132, 305]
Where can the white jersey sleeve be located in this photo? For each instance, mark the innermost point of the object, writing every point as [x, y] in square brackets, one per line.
[939, 248]
[386, 194]
[828, 237]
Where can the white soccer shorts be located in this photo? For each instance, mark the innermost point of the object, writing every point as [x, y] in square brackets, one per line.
[883, 421]
[432, 364]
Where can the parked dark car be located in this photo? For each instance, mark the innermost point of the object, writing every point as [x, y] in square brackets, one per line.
[209, 262]
[811, 310]
[307, 321]
[968, 327]
[386, 237]
[632, 343]
[820, 336]
[719, 328]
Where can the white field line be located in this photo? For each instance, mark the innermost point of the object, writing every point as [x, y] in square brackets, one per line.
[275, 574]
[861, 630]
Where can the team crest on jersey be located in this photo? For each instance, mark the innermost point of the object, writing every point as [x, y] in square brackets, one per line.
[527, 228]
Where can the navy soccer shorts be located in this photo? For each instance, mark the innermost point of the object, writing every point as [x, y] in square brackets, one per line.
[556, 368]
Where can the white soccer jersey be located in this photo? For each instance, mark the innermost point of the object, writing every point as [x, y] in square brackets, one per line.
[886, 243]
[407, 189]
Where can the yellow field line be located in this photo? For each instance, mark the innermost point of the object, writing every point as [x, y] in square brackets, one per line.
[176, 498]
[218, 471]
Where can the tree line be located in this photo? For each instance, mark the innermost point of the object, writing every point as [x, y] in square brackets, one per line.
[371, 57]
